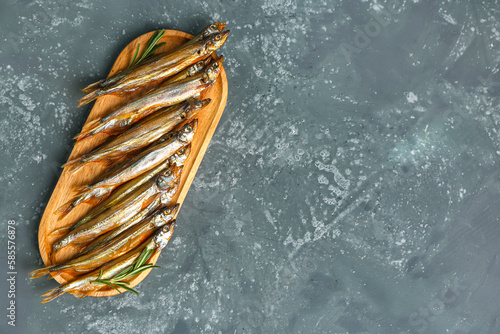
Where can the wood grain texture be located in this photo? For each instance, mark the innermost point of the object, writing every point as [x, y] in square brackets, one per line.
[208, 118]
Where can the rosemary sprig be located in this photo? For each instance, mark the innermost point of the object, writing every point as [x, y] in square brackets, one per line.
[150, 48]
[118, 280]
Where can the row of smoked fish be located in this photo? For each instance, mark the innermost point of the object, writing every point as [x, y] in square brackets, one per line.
[132, 202]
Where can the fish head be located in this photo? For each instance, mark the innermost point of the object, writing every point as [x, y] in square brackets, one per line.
[168, 177]
[192, 106]
[213, 29]
[163, 236]
[213, 69]
[198, 104]
[166, 215]
[164, 179]
[176, 172]
[215, 41]
[180, 156]
[166, 137]
[167, 195]
[171, 211]
[196, 68]
[186, 133]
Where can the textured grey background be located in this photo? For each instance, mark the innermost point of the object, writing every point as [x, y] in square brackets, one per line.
[352, 185]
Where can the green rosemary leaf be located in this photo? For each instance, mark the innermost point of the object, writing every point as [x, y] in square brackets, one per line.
[151, 47]
[141, 269]
[118, 280]
[129, 289]
[123, 282]
[108, 283]
[100, 275]
[157, 46]
[152, 42]
[142, 259]
[135, 55]
[123, 273]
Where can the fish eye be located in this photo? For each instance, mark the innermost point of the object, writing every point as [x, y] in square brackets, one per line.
[162, 184]
[213, 26]
[188, 129]
[181, 151]
[218, 37]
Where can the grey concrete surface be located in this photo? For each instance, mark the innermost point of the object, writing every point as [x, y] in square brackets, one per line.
[352, 185]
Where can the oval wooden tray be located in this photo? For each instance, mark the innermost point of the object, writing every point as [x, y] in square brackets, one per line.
[208, 118]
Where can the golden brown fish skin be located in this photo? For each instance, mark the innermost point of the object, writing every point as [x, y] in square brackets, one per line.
[124, 117]
[164, 200]
[211, 29]
[84, 285]
[136, 201]
[190, 71]
[126, 241]
[150, 158]
[166, 95]
[178, 158]
[146, 160]
[161, 67]
[147, 131]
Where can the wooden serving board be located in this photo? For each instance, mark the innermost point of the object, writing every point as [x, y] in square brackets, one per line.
[208, 117]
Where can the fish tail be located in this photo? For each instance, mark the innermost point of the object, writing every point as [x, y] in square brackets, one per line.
[71, 163]
[80, 294]
[53, 294]
[76, 164]
[87, 130]
[89, 97]
[39, 272]
[107, 161]
[76, 167]
[66, 208]
[59, 231]
[92, 87]
[82, 195]
[52, 256]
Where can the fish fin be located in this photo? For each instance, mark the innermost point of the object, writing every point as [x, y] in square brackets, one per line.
[39, 272]
[92, 87]
[59, 231]
[53, 294]
[149, 201]
[94, 201]
[80, 295]
[108, 161]
[67, 207]
[64, 209]
[82, 195]
[52, 256]
[89, 97]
